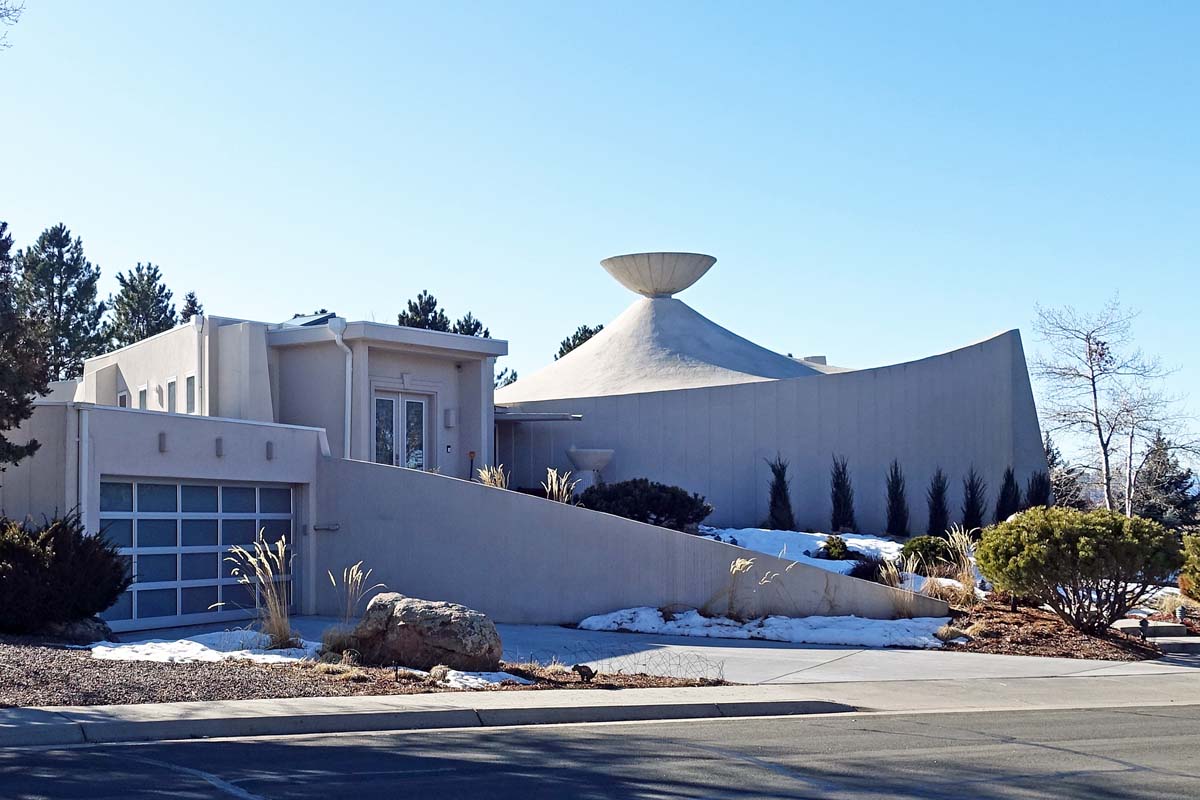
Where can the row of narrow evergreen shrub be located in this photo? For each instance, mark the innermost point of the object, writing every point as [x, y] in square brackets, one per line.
[1009, 501]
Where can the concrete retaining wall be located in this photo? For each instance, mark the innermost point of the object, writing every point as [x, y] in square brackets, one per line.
[522, 559]
[972, 406]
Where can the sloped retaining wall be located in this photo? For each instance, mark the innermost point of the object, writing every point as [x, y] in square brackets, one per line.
[522, 559]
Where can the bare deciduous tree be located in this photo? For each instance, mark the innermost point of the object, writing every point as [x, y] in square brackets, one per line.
[10, 12]
[1100, 384]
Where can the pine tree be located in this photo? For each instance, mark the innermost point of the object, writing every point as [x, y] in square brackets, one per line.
[780, 516]
[937, 499]
[192, 307]
[581, 335]
[1164, 490]
[424, 313]
[57, 292]
[897, 502]
[841, 496]
[1067, 487]
[22, 367]
[1008, 501]
[469, 326]
[141, 308]
[974, 500]
[504, 377]
[1037, 490]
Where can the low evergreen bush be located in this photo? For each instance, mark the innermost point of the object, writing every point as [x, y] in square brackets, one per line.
[868, 568]
[927, 551]
[644, 500]
[1189, 576]
[54, 573]
[836, 548]
[1089, 567]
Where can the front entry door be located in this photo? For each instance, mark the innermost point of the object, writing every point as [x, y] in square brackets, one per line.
[401, 430]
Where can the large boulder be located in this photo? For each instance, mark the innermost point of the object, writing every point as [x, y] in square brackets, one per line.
[420, 634]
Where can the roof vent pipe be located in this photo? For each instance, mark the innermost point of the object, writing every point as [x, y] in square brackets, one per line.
[337, 326]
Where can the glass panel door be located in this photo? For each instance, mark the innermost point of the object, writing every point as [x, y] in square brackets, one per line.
[415, 440]
[385, 429]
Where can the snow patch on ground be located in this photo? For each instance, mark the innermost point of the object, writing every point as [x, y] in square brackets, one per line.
[793, 544]
[244, 645]
[851, 631]
[481, 680]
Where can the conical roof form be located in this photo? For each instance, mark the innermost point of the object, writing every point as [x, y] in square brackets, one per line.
[658, 343]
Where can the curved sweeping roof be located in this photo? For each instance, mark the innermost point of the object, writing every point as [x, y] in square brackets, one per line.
[658, 343]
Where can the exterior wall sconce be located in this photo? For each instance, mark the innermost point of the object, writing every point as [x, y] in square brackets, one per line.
[162, 442]
[220, 447]
[270, 451]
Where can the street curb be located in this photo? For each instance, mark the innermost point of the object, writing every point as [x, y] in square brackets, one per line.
[46, 727]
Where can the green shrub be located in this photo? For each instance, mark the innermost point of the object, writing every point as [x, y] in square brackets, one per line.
[1008, 501]
[1037, 490]
[939, 509]
[927, 551]
[1089, 567]
[868, 568]
[1189, 576]
[897, 502]
[55, 572]
[836, 548]
[974, 500]
[780, 516]
[646, 501]
[841, 497]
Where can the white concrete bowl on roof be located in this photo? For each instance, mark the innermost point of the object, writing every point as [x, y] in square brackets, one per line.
[658, 274]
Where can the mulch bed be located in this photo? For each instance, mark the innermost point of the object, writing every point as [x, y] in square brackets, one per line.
[37, 672]
[1034, 632]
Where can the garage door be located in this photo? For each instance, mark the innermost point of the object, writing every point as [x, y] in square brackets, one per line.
[177, 537]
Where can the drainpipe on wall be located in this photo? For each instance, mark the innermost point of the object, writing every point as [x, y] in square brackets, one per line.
[201, 406]
[337, 326]
[83, 468]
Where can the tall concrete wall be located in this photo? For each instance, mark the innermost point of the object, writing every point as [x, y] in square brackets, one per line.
[522, 559]
[972, 406]
[39, 484]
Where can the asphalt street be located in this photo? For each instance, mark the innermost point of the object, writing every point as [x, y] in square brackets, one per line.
[1096, 754]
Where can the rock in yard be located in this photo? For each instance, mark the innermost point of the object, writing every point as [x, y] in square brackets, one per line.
[81, 631]
[424, 633]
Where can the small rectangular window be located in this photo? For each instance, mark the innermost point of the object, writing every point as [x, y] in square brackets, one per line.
[157, 497]
[116, 496]
[143, 398]
[170, 397]
[190, 391]
[122, 399]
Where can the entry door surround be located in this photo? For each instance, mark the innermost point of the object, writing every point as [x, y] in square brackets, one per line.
[401, 429]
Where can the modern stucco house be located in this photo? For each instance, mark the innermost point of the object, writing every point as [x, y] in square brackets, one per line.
[679, 399]
[358, 440]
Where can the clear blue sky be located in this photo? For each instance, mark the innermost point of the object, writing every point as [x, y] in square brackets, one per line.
[879, 181]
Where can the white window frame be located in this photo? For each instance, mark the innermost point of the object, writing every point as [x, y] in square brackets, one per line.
[123, 395]
[192, 397]
[171, 403]
[144, 388]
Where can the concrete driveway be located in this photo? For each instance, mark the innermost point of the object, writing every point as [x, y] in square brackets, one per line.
[758, 662]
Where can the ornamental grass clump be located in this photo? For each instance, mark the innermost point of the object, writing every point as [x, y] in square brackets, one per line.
[1090, 567]
[495, 477]
[559, 487]
[268, 572]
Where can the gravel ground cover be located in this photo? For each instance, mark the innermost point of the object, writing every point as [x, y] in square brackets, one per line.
[1034, 632]
[37, 672]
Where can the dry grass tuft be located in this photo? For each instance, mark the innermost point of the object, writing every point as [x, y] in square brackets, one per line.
[948, 633]
[559, 488]
[981, 630]
[493, 476]
[1170, 603]
[352, 589]
[268, 571]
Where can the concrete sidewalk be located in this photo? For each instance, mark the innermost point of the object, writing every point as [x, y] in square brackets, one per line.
[26, 727]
